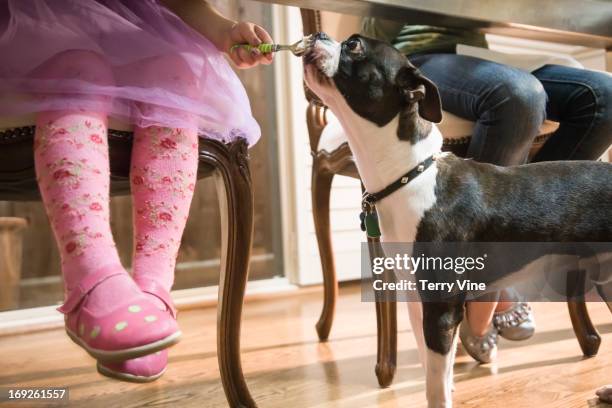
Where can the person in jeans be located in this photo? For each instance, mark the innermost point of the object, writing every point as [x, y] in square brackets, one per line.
[508, 105]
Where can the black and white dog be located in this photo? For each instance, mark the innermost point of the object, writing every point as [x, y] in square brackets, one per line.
[387, 107]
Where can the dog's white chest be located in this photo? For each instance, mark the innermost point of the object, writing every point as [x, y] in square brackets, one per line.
[401, 213]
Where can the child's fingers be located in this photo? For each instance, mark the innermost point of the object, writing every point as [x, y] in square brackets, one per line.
[264, 37]
[263, 34]
[266, 59]
[253, 35]
[248, 33]
[246, 58]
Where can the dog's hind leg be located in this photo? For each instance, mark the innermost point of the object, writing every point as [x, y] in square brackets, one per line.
[440, 322]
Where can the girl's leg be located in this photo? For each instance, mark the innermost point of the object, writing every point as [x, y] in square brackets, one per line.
[163, 176]
[479, 316]
[106, 312]
[71, 157]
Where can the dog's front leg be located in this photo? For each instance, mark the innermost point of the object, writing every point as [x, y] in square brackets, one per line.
[440, 322]
[439, 372]
[415, 313]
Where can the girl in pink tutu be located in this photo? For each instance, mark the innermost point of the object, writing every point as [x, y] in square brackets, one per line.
[158, 67]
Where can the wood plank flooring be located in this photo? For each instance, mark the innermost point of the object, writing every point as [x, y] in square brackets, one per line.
[286, 366]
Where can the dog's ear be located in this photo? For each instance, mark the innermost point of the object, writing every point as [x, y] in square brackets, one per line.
[430, 107]
[415, 87]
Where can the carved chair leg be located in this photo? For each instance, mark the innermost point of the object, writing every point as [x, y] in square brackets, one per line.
[586, 333]
[321, 189]
[386, 325]
[236, 204]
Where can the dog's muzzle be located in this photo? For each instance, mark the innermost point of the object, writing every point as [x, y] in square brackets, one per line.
[324, 53]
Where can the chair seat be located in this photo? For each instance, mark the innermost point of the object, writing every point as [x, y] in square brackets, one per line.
[230, 161]
[455, 130]
[18, 177]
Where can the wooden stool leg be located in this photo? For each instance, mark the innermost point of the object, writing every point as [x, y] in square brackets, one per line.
[11, 244]
[321, 189]
[236, 203]
[586, 333]
[386, 325]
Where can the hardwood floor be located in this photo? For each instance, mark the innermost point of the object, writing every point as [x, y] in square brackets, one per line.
[286, 366]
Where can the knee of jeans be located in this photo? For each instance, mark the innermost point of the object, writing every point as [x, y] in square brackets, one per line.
[603, 104]
[520, 98]
[603, 95]
[82, 65]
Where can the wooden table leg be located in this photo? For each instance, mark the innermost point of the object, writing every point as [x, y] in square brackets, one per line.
[11, 244]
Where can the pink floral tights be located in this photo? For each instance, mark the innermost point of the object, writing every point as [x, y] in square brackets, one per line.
[72, 166]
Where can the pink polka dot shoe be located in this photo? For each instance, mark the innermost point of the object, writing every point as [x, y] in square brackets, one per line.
[142, 369]
[150, 367]
[132, 329]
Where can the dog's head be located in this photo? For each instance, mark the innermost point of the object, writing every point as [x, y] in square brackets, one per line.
[376, 81]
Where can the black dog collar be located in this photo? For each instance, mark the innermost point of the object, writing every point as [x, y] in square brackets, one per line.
[369, 199]
[368, 216]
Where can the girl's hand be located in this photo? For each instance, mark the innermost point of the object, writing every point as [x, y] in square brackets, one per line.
[223, 32]
[248, 33]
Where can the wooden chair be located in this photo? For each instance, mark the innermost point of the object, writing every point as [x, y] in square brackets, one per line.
[332, 156]
[228, 163]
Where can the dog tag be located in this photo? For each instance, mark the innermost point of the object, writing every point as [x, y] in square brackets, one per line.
[371, 225]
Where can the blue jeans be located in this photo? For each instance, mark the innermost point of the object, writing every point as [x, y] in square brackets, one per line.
[509, 105]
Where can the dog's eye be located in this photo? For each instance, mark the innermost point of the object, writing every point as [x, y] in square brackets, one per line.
[354, 46]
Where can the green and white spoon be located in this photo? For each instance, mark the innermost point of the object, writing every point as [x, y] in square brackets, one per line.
[298, 48]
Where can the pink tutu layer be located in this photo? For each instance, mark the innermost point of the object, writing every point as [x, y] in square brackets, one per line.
[135, 60]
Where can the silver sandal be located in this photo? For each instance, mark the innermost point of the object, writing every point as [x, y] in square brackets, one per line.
[516, 323]
[482, 348]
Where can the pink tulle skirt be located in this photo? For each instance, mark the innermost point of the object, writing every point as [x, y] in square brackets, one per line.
[134, 59]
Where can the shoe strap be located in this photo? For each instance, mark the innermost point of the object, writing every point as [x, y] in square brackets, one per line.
[512, 317]
[87, 284]
[154, 288]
